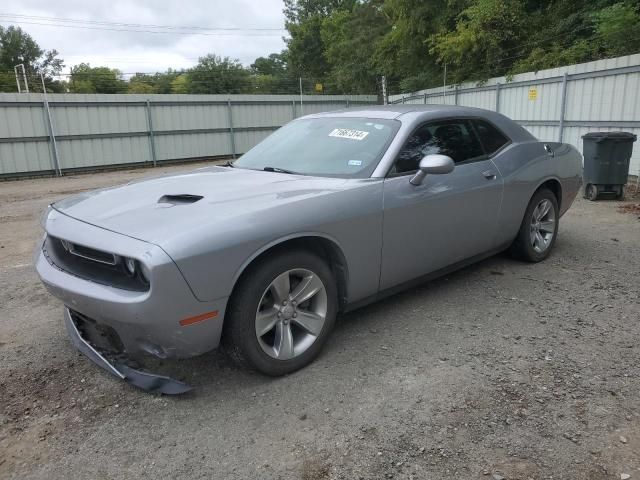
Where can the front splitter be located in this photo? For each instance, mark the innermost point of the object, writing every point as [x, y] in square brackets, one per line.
[147, 381]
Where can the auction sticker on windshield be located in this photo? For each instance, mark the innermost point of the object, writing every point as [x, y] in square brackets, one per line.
[348, 133]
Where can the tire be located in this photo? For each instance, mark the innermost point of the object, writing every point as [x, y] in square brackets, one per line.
[258, 300]
[535, 239]
[591, 192]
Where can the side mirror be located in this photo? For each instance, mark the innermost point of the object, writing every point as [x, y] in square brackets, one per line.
[432, 165]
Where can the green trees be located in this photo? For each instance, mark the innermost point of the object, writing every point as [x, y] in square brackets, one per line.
[351, 39]
[214, 74]
[272, 75]
[306, 49]
[88, 79]
[17, 47]
[485, 36]
[404, 53]
[345, 46]
[348, 43]
[618, 27]
[153, 83]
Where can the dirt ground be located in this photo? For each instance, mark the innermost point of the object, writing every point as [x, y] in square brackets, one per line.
[501, 370]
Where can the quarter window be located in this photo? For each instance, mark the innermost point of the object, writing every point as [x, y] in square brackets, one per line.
[453, 138]
[492, 139]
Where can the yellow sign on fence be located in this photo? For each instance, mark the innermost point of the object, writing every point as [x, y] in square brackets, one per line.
[533, 94]
[318, 87]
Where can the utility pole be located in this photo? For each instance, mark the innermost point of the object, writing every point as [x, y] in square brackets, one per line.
[24, 76]
[301, 111]
[444, 87]
[52, 135]
[385, 98]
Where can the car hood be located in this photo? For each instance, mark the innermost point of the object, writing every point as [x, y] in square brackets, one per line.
[157, 209]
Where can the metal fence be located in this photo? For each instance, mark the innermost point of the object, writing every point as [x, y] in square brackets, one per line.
[72, 132]
[559, 104]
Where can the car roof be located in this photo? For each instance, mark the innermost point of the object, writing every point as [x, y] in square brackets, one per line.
[397, 110]
[412, 115]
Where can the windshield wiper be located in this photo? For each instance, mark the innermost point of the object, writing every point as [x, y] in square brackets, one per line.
[279, 170]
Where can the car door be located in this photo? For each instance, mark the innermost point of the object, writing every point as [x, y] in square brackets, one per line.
[446, 219]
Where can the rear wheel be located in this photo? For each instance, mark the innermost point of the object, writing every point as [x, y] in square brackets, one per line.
[281, 313]
[539, 228]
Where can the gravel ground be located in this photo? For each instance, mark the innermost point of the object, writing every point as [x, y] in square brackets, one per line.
[501, 370]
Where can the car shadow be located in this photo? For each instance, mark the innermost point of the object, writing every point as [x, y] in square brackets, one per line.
[215, 371]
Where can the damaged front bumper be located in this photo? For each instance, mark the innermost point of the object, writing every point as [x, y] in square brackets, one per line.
[116, 363]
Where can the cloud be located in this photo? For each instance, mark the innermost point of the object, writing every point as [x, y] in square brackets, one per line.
[149, 52]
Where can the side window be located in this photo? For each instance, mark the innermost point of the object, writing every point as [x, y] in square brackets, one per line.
[492, 138]
[453, 138]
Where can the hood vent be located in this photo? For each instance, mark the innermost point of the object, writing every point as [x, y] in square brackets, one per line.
[181, 199]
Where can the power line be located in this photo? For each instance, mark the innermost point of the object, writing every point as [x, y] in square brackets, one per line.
[209, 34]
[293, 79]
[136, 25]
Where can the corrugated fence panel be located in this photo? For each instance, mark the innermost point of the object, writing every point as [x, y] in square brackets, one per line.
[418, 100]
[103, 130]
[246, 140]
[22, 121]
[544, 133]
[520, 103]
[262, 115]
[189, 116]
[24, 156]
[70, 119]
[100, 152]
[484, 99]
[309, 108]
[600, 96]
[192, 145]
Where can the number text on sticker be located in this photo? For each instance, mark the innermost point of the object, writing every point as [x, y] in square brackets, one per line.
[348, 133]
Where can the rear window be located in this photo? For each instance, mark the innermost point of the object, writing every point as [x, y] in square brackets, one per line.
[492, 138]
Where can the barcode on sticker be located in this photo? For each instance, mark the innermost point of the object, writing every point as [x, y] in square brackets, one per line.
[348, 133]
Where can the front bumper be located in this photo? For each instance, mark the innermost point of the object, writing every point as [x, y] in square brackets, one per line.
[145, 322]
[117, 364]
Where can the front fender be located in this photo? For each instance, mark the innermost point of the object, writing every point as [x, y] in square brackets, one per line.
[349, 219]
[287, 238]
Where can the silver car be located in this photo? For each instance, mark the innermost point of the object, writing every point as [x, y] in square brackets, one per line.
[330, 212]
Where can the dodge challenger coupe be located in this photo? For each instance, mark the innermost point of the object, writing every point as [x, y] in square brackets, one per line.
[330, 212]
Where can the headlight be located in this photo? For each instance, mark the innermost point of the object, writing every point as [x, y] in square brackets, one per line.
[130, 265]
[45, 215]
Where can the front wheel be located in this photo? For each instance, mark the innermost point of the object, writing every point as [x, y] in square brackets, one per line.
[281, 313]
[539, 228]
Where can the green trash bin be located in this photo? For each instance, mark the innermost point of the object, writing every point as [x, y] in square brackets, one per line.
[606, 163]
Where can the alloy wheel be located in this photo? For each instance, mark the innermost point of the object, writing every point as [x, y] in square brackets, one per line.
[543, 226]
[291, 314]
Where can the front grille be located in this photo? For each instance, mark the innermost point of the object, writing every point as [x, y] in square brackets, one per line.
[91, 264]
[89, 253]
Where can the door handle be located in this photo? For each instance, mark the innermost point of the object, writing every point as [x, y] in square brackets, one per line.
[489, 175]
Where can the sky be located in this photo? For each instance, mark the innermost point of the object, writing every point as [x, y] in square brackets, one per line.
[131, 51]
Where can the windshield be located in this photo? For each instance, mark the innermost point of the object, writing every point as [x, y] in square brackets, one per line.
[338, 146]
